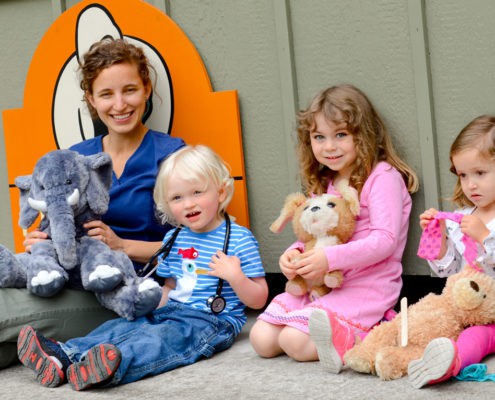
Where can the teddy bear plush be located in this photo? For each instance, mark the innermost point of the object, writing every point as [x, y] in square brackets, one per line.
[69, 189]
[319, 221]
[468, 298]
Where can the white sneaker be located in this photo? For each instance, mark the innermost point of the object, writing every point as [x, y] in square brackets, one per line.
[320, 331]
[436, 364]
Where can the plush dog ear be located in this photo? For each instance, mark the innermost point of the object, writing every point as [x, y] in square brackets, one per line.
[100, 178]
[350, 195]
[292, 202]
[27, 214]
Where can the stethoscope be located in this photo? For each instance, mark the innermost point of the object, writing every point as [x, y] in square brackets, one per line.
[215, 302]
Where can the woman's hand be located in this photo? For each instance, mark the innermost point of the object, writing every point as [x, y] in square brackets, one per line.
[286, 263]
[32, 238]
[99, 230]
[137, 250]
[312, 264]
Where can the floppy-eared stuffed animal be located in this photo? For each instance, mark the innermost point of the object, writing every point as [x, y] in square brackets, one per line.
[319, 221]
[69, 189]
[468, 298]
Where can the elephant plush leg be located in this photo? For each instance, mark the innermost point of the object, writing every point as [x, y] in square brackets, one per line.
[133, 297]
[148, 297]
[101, 267]
[12, 271]
[119, 300]
[45, 276]
[133, 300]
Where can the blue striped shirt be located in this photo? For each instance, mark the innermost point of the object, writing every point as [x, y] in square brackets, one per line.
[189, 257]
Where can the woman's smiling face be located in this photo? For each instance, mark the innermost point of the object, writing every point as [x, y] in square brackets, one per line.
[119, 97]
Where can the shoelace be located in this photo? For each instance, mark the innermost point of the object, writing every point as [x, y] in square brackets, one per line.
[431, 240]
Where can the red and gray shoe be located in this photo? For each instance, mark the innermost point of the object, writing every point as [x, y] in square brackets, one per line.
[43, 355]
[97, 367]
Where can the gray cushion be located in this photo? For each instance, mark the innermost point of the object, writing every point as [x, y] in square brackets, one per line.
[69, 314]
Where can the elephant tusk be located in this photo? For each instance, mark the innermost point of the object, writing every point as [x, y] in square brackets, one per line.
[39, 205]
[73, 199]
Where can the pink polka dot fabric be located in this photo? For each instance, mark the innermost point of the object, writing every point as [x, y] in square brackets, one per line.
[431, 239]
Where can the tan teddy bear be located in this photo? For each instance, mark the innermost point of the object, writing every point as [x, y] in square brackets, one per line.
[467, 299]
[319, 221]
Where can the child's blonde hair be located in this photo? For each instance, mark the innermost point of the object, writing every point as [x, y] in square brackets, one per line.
[347, 104]
[478, 134]
[193, 164]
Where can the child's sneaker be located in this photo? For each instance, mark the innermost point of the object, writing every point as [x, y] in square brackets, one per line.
[331, 338]
[97, 367]
[438, 363]
[43, 355]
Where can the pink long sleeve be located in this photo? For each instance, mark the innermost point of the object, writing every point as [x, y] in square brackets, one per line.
[381, 229]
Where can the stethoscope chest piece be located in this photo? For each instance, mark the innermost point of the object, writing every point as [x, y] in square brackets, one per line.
[216, 303]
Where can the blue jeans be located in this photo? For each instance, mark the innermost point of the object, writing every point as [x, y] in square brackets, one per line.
[172, 336]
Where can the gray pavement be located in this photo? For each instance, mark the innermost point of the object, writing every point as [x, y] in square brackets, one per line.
[239, 373]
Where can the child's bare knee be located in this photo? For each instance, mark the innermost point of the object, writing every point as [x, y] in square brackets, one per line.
[264, 339]
[296, 344]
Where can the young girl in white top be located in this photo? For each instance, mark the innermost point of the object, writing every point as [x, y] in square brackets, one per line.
[472, 157]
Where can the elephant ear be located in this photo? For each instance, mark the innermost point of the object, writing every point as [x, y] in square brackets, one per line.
[100, 179]
[27, 214]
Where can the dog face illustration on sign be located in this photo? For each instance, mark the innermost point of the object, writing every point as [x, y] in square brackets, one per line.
[71, 118]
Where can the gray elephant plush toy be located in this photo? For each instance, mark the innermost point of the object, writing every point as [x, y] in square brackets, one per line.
[70, 189]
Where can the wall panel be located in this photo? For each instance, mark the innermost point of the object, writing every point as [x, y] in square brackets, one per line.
[463, 78]
[278, 53]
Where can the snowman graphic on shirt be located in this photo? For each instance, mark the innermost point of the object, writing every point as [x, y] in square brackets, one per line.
[187, 281]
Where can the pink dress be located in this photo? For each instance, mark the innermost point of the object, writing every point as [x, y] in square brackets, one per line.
[370, 261]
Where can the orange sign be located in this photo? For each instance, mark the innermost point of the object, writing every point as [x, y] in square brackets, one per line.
[183, 103]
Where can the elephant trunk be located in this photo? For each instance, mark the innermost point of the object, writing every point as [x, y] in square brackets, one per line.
[63, 233]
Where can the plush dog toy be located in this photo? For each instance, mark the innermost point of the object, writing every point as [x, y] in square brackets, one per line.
[319, 221]
[467, 299]
[70, 189]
